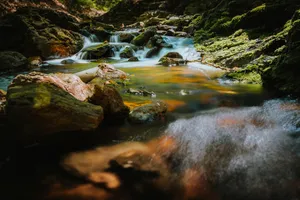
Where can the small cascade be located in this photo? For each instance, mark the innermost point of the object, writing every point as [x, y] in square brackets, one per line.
[93, 38]
[115, 38]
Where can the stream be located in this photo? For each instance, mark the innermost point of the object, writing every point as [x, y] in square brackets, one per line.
[249, 142]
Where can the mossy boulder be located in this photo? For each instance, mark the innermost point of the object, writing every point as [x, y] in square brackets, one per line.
[143, 38]
[126, 37]
[127, 53]
[148, 113]
[12, 61]
[172, 58]
[37, 109]
[158, 41]
[98, 51]
[36, 33]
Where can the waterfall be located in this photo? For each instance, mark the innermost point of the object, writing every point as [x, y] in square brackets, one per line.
[114, 38]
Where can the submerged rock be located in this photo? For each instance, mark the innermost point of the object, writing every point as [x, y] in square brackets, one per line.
[68, 61]
[141, 92]
[39, 105]
[110, 100]
[12, 61]
[148, 113]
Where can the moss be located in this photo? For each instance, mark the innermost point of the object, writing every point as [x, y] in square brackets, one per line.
[245, 77]
[260, 8]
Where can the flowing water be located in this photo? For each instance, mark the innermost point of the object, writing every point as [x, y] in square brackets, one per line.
[248, 145]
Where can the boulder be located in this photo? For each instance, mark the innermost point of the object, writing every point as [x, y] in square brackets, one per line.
[126, 37]
[153, 52]
[12, 61]
[98, 51]
[166, 61]
[104, 71]
[143, 38]
[101, 33]
[110, 100]
[173, 55]
[39, 105]
[127, 53]
[158, 41]
[39, 32]
[172, 58]
[148, 113]
[133, 59]
[68, 82]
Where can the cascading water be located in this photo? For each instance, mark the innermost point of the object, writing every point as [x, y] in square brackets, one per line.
[114, 38]
[244, 152]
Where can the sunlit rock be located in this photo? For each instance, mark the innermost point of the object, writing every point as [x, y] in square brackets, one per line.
[104, 71]
[40, 105]
[110, 100]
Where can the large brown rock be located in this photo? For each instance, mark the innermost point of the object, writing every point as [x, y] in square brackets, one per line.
[104, 71]
[68, 82]
[110, 100]
[39, 105]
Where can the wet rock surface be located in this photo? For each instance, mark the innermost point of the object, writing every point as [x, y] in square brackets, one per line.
[37, 107]
[148, 113]
[110, 100]
[12, 61]
[40, 32]
[105, 71]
